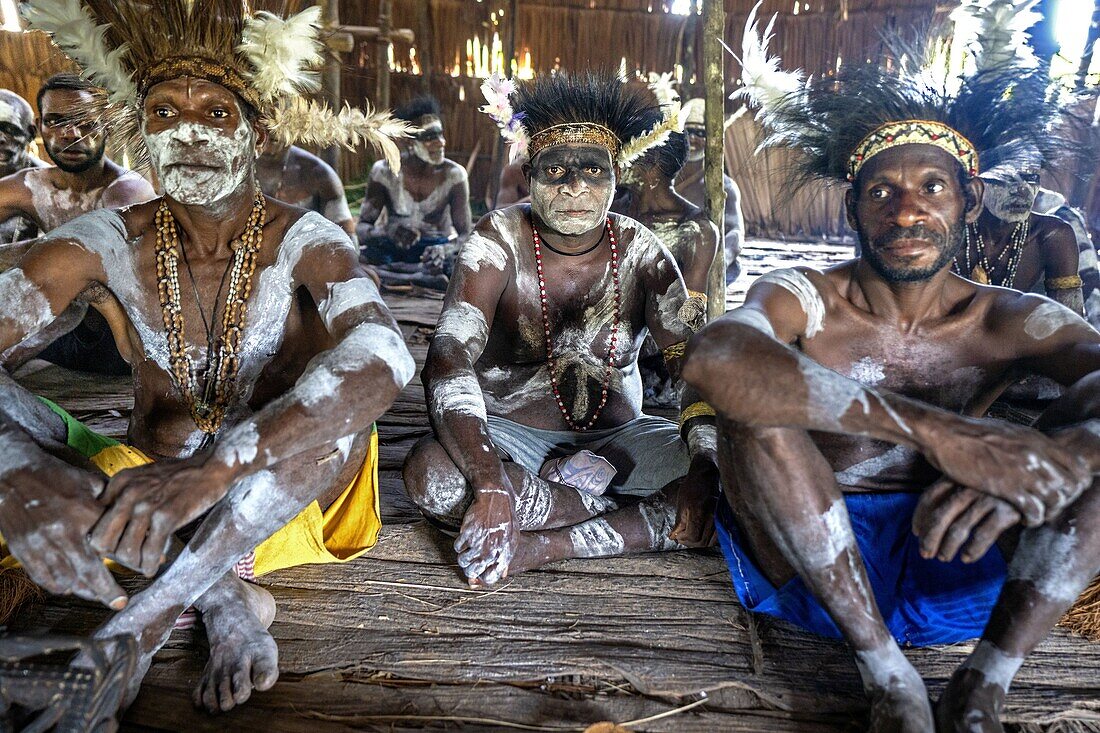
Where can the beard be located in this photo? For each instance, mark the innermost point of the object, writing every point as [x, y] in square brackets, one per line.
[949, 246]
[91, 160]
[420, 150]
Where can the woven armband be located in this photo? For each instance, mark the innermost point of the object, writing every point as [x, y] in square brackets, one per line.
[696, 409]
[676, 351]
[1063, 283]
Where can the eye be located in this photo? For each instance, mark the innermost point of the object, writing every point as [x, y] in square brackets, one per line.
[555, 171]
[878, 193]
[163, 112]
[934, 187]
[219, 113]
[593, 170]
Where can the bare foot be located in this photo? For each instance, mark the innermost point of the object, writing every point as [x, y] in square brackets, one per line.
[901, 707]
[243, 656]
[969, 704]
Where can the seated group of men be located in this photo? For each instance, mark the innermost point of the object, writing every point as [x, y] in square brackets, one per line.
[831, 433]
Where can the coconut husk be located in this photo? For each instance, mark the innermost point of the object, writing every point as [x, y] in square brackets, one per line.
[1084, 617]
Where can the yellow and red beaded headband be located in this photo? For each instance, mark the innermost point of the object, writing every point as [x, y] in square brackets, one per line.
[588, 133]
[909, 132]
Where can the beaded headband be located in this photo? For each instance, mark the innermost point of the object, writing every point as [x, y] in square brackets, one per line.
[910, 132]
[587, 133]
[200, 68]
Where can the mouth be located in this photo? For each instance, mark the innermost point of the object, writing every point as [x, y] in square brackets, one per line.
[907, 248]
[190, 166]
[574, 212]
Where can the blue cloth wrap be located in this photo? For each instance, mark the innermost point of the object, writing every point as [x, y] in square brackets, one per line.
[922, 601]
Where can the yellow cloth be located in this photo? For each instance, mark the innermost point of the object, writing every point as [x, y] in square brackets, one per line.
[343, 532]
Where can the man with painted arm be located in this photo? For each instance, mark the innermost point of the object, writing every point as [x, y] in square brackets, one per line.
[299, 177]
[867, 498]
[262, 355]
[540, 450]
[82, 179]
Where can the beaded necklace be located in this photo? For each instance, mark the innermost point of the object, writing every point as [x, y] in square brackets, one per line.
[546, 328]
[207, 410]
[982, 271]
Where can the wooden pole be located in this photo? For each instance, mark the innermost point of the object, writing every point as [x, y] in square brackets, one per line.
[500, 153]
[423, 46]
[330, 81]
[382, 80]
[714, 84]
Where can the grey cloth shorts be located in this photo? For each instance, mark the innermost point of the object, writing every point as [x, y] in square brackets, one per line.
[647, 452]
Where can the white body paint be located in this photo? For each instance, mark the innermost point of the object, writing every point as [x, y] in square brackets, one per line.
[887, 667]
[348, 295]
[831, 399]
[12, 458]
[751, 318]
[189, 142]
[336, 210]
[477, 251]
[702, 440]
[464, 323]
[997, 667]
[1047, 559]
[873, 467]
[1049, 318]
[659, 518]
[459, 393]
[794, 282]
[533, 502]
[58, 206]
[24, 302]
[596, 538]
[425, 216]
[838, 538]
[868, 372]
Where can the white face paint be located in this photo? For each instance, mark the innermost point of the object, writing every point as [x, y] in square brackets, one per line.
[997, 667]
[199, 165]
[1011, 199]
[808, 296]
[1049, 318]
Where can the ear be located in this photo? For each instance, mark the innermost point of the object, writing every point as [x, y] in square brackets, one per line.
[262, 135]
[527, 169]
[850, 209]
[974, 190]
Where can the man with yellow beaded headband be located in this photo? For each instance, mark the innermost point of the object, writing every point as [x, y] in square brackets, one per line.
[540, 450]
[249, 324]
[866, 496]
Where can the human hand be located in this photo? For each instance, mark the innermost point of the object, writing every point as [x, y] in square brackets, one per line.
[47, 509]
[488, 538]
[696, 499]
[146, 505]
[1037, 475]
[405, 236]
[950, 518]
[435, 256]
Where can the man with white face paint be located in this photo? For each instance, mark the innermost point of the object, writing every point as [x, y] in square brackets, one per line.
[298, 177]
[689, 184]
[867, 498]
[17, 130]
[540, 450]
[1013, 247]
[262, 352]
[420, 214]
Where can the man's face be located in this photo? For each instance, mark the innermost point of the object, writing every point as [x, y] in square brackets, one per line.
[429, 144]
[909, 209]
[201, 145]
[13, 144]
[1009, 195]
[73, 148]
[571, 187]
[697, 141]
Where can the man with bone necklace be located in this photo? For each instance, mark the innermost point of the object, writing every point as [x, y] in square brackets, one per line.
[249, 325]
[869, 498]
[540, 451]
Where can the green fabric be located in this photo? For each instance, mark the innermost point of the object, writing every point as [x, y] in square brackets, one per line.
[83, 440]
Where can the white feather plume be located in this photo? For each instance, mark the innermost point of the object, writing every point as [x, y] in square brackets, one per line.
[282, 53]
[999, 29]
[315, 124]
[75, 32]
[764, 82]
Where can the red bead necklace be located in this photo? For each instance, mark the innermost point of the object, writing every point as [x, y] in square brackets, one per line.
[614, 328]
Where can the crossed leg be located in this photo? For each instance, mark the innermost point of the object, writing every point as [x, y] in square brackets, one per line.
[556, 521]
[792, 513]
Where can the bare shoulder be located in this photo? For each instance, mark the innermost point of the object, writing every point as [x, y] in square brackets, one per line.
[1029, 318]
[17, 181]
[453, 172]
[127, 188]
[493, 244]
[310, 166]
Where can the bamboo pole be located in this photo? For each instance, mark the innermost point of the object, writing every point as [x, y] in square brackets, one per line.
[714, 84]
[500, 153]
[382, 80]
[330, 81]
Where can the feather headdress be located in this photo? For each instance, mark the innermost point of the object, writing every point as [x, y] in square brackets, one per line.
[998, 116]
[128, 46]
[1000, 31]
[670, 122]
[591, 108]
[764, 81]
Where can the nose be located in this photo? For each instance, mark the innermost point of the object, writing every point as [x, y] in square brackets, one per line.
[909, 209]
[573, 184]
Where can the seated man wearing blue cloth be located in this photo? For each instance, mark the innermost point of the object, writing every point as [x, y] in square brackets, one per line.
[867, 498]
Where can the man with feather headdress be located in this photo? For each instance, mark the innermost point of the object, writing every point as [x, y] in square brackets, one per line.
[540, 450]
[249, 324]
[854, 455]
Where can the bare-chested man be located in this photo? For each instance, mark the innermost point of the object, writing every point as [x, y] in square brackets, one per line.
[689, 184]
[422, 213]
[646, 194]
[540, 449]
[1054, 204]
[262, 355]
[17, 130]
[852, 448]
[298, 177]
[1013, 247]
[82, 179]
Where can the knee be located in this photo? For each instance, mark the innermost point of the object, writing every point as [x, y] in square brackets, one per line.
[433, 481]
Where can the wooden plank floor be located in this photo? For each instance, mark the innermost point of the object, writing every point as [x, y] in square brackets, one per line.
[395, 641]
